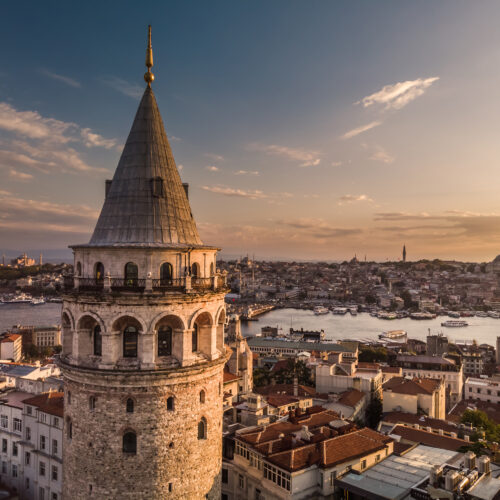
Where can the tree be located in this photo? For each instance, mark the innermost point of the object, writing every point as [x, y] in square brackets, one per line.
[374, 412]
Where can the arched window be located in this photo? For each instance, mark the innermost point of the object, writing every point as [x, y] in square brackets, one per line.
[92, 402]
[78, 268]
[130, 405]
[194, 338]
[166, 274]
[211, 269]
[165, 341]
[202, 396]
[202, 428]
[130, 338]
[99, 271]
[170, 403]
[131, 274]
[69, 428]
[195, 270]
[130, 443]
[97, 341]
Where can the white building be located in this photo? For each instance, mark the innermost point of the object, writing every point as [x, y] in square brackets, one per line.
[484, 389]
[11, 347]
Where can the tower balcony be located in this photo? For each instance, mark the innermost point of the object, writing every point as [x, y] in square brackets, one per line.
[186, 284]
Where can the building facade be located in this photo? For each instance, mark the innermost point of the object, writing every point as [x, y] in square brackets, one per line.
[143, 336]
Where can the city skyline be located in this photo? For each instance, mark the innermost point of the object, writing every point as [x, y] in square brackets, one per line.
[304, 132]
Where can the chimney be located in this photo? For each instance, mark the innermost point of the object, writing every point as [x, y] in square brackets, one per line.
[484, 465]
[295, 386]
[470, 460]
[185, 185]
[107, 187]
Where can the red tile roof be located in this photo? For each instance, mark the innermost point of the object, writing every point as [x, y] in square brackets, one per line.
[230, 377]
[303, 390]
[401, 385]
[428, 438]
[399, 417]
[49, 402]
[351, 398]
[491, 409]
[11, 337]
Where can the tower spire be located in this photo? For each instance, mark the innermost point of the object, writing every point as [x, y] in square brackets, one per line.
[149, 76]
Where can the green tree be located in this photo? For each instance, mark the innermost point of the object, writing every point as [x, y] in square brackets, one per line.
[374, 412]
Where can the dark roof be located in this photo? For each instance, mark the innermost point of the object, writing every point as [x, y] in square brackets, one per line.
[428, 438]
[146, 203]
[50, 402]
[401, 385]
[277, 389]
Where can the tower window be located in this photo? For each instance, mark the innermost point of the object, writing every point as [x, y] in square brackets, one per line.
[202, 396]
[157, 187]
[99, 271]
[78, 268]
[131, 274]
[195, 270]
[97, 341]
[202, 428]
[165, 341]
[166, 273]
[130, 443]
[194, 338]
[69, 428]
[130, 339]
[211, 269]
[92, 401]
[130, 405]
[170, 403]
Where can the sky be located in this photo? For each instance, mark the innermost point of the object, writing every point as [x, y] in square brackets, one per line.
[307, 130]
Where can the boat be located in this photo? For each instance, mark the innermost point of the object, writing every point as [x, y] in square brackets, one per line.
[320, 310]
[453, 314]
[339, 310]
[494, 314]
[387, 315]
[455, 323]
[38, 301]
[482, 314]
[353, 311]
[422, 315]
[393, 335]
[21, 298]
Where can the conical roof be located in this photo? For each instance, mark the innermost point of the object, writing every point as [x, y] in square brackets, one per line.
[146, 203]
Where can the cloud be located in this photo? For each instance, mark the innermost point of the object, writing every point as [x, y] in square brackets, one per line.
[307, 158]
[246, 172]
[180, 167]
[320, 229]
[228, 191]
[214, 157]
[336, 163]
[381, 155]
[359, 130]
[399, 94]
[126, 88]
[350, 198]
[91, 139]
[65, 79]
[19, 176]
[174, 138]
[212, 168]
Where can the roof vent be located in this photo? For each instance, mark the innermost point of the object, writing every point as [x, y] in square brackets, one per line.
[470, 460]
[484, 465]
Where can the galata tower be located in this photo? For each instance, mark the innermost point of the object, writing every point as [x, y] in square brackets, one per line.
[143, 341]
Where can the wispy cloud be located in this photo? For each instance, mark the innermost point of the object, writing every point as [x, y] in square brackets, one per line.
[61, 78]
[246, 172]
[380, 154]
[241, 193]
[336, 163]
[126, 88]
[214, 157]
[19, 176]
[359, 130]
[319, 228]
[212, 168]
[398, 95]
[351, 198]
[307, 158]
[91, 139]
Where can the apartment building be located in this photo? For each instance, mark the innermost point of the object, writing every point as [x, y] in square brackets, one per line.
[11, 346]
[484, 389]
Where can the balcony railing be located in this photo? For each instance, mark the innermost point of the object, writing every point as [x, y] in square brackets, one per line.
[201, 283]
[128, 284]
[169, 284]
[91, 284]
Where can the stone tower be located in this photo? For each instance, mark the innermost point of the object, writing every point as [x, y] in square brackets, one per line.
[143, 336]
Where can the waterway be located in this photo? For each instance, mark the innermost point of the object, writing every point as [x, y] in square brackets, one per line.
[366, 327]
[26, 314]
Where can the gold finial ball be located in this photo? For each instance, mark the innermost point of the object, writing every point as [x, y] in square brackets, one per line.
[149, 77]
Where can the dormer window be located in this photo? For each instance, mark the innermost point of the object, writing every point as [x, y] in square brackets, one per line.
[157, 187]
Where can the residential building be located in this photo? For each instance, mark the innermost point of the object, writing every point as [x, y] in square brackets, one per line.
[417, 396]
[484, 389]
[437, 345]
[47, 336]
[11, 347]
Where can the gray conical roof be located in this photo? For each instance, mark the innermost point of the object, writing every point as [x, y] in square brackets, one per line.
[146, 203]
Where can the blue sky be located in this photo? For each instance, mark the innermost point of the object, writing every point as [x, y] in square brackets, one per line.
[311, 130]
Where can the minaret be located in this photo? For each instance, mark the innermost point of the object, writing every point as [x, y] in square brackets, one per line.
[404, 253]
[143, 336]
[41, 259]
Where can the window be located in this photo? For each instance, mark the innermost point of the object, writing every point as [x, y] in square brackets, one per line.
[4, 421]
[130, 405]
[170, 403]
[165, 341]
[54, 496]
[157, 188]
[41, 493]
[15, 449]
[225, 476]
[194, 338]
[14, 470]
[29, 410]
[55, 473]
[277, 476]
[131, 274]
[363, 464]
[470, 389]
[202, 428]
[69, 397]
[4, 446]
[211, 269]
[78, 269]
[241, 481]
[69, 428]
[55, 447]
[130, 342]
[166, 274]
[55, 422]
[42, 442]
[257, 494]
[99, 271]
[4, 467]
[41, 468]
[27, 458]
[377, 458]
[28, 434]
[18, 425]
[92, 401]
[27, 483]
[130, 443]
[202, 396]
[333, 475]
[97, 341]
[195, 270]
[43, 417]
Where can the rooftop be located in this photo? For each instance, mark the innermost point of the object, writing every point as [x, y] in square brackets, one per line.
[302, 346]
[428, 438]
[415, 386]
[49, 402]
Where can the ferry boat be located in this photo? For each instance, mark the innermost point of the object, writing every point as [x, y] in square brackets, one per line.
[393, 335]
[453, 314]
[482, 314]
[455, 323]
[38, 301]
[21, 298]
[353, 310]
[387, 315]
[320, 310]
[494, 314]
[339, 310]
[422, 315]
